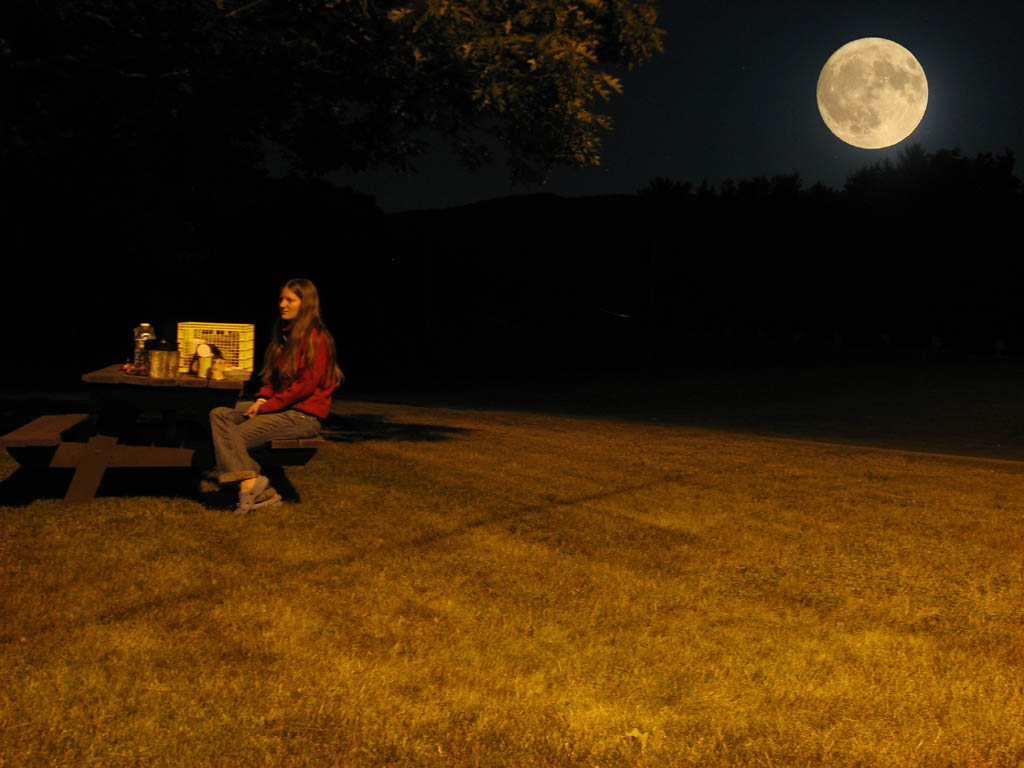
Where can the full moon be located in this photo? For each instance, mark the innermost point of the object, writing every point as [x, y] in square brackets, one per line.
[872, 93]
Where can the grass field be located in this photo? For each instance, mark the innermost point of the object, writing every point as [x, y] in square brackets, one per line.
[469, 587]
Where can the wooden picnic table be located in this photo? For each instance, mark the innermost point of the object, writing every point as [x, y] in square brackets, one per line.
[137, 421]
[120, 438]
[118, 398]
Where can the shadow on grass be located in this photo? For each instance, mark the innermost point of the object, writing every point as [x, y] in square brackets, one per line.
[954, 406]
[366, 427]
[24, 485]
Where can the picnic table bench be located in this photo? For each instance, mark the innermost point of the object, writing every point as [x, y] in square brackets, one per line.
[33, 444]
[290, 453]
[65, 441]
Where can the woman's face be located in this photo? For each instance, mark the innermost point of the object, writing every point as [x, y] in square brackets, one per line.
[289, 304]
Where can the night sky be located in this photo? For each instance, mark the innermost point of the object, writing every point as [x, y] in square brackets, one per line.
[733, 97]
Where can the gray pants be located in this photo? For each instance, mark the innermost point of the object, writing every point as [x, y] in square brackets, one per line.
[234, 435]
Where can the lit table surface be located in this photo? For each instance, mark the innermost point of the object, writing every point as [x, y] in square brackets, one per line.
[113, 375]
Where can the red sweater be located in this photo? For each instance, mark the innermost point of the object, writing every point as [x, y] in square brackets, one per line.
[303, 393]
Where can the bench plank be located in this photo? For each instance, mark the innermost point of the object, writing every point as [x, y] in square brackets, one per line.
[90, 460]
[304, 442]
[289, 452]
[114, 455]
[44, 431]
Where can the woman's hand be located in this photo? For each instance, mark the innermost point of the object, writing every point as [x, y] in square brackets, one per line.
[254, 409]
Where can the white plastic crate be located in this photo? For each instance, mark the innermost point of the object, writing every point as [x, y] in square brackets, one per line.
[234, 340]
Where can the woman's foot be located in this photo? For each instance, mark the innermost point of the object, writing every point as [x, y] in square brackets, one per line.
[268, 498]
[248, 490]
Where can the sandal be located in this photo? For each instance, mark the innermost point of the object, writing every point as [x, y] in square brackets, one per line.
[267, 499]
[247, 499]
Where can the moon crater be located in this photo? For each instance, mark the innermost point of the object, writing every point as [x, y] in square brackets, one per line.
[872, 93]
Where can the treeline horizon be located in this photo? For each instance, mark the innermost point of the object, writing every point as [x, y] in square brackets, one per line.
[909, 255]
[915, 169]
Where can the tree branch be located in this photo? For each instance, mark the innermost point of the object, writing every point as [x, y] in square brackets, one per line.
[245, 7]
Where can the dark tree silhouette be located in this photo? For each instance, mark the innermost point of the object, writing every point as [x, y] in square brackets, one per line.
[186, 91]
[944, 178]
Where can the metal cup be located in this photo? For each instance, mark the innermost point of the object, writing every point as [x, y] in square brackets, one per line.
[163, 358]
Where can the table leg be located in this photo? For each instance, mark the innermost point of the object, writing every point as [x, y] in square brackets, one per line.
[90, 460]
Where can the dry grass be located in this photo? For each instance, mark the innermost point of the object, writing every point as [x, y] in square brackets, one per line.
[529, 590]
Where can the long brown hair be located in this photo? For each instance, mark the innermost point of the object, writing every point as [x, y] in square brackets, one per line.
[295, 345]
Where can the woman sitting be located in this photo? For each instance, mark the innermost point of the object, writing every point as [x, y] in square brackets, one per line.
[300, 373]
